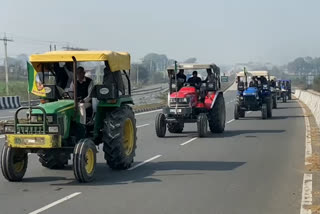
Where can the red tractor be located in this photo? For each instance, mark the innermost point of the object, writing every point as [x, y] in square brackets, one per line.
[190, 102]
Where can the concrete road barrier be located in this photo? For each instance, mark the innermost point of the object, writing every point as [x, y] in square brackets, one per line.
[312, 100]
[10, 102]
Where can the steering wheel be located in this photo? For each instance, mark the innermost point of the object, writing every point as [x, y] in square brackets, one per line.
[66, 95]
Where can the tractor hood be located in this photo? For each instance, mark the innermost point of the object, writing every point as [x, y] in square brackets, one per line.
[55, 107]
[251, 91]
[184, 92]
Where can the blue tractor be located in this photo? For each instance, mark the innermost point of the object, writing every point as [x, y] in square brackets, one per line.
[255, 97]
[285, 90]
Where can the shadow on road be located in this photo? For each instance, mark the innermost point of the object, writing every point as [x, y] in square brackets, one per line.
[106, 176]
[232, 133]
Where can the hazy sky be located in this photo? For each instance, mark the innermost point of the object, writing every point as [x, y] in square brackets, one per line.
[221, 31]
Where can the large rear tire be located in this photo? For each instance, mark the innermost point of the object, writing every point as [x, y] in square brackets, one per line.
[53, 159]
[202, 125]
[264, 113]
[175, 127]
[84, 160]
[217, 116]
[14, 163]
[160, 125]
[242, 113]
[119, 138]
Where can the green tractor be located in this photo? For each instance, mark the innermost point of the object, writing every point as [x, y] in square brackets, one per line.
[57, 128]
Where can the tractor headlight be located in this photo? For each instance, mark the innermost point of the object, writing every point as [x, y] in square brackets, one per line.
[9, 129]
[50, 119]
[265, 86]
[53, 129]
[241, 97]
[185, 100]
[34, 118]
[172, 100]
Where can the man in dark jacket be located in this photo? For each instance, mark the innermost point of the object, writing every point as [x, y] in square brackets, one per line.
[195, 80]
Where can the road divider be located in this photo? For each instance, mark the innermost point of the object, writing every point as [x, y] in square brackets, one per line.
[312, 100]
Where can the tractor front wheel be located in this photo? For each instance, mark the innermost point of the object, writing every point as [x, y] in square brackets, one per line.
[160, 125]
[84, 160]
[119, 137]
[14, 163]
[269, 108]
[264, 111]
[236, 111]
[202, 125]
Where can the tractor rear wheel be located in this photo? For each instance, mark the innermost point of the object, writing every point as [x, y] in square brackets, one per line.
[269, 108]
[236, 112]
[119, 137]
[14, 163]
[274, 102]
[242, 113]
[202, 125]
[264, 111]
[175, 127]
[84, 160]
[53, 159]
[217, 116]
[160, 125]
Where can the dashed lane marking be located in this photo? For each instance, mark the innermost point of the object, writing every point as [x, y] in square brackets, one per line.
[140, 126]
[55, 203]
[189, 141]
[144, 162]
[148, 112]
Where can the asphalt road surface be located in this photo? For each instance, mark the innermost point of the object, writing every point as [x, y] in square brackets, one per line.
[256, 166]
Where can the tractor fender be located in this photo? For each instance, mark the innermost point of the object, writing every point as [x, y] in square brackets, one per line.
[218, 93]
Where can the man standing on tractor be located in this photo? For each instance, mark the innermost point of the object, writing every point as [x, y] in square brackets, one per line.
[195, 80]
[210, 78]
[113, 78]
[84, 87]
[64, 75]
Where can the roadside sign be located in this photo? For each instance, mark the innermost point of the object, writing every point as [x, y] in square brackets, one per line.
[224, 79]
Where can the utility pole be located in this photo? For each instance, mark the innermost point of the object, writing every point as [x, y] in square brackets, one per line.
[5, 42]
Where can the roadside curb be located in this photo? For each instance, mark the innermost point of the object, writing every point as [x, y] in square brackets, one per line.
[312, 161]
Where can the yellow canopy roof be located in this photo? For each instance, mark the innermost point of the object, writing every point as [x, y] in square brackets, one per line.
[117, 60]
[273, 78]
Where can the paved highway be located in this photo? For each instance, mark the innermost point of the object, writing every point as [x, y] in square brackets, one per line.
[256, 166]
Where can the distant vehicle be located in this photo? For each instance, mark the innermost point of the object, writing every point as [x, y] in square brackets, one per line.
[285, 89]
[254, 97]
[201, 104]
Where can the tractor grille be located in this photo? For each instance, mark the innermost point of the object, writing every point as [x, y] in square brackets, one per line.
[21, 129]
[250, 99]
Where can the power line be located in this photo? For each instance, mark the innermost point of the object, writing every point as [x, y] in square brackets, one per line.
[5, 42]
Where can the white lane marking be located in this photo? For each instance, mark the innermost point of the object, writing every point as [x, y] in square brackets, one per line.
[189, 141]
[144, 162]
[308, 151]
[147, 124]
[55, 203]
[230, 121]
[148, 112]
[3, 117]
[306, 199]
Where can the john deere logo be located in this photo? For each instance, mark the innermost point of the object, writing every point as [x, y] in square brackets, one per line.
[47, 90]
[104, 91]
